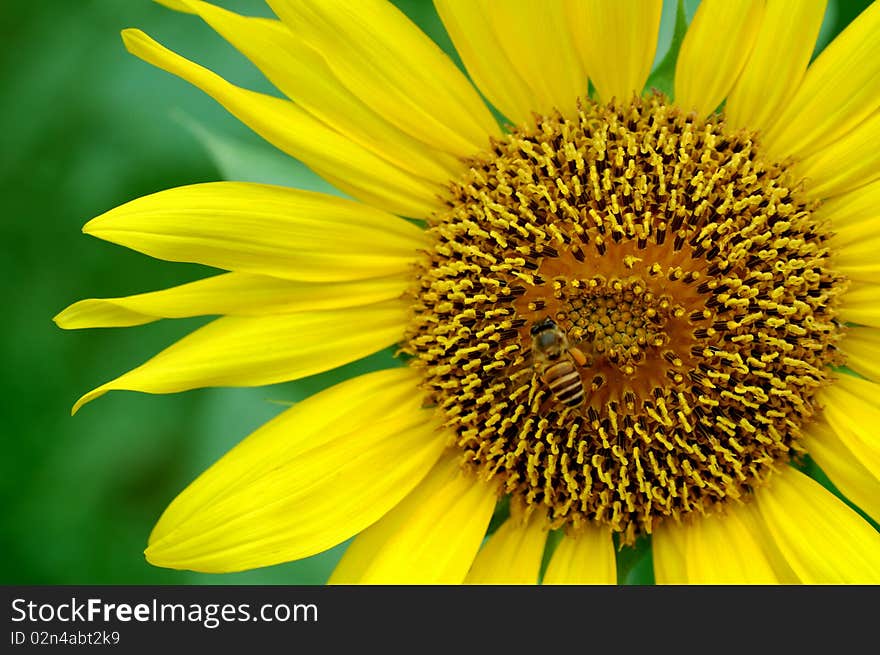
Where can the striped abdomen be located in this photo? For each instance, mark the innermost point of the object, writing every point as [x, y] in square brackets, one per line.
[565, 382]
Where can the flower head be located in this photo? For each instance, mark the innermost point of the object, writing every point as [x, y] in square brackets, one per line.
[629, 312]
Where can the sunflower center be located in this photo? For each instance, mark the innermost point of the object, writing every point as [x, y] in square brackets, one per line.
[625, 315]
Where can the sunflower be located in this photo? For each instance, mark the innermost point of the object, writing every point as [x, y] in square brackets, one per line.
[625, 307]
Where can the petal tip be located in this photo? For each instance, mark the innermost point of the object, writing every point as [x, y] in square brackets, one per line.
[95, 227]
[137, 41]
[59, 318]
[87, 398]
[154, 556]
[64, 320]
[130, 34]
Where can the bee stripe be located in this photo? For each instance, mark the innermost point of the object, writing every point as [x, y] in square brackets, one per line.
[572, 397]
[560, 374]
[565, 383]
[565, 378]
[567, 390]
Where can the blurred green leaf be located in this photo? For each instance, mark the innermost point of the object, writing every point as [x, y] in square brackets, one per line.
[828, 29]
[635, 565]
[553, 539]
[667, 28]
[663, 76]
[500, 515]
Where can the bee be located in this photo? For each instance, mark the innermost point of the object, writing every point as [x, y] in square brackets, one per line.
[555, 360]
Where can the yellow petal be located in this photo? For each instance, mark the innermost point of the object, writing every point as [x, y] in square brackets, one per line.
[234, 294]
[838, 92]
[859, 262]
[714, 51]
[856, 239]
[586, 557]
[861, 304]
[852, 408]
[537, 40]
[469, 25]
[668, 549]
[512, 555]
[843, 468]
[392, 66]
[353, 169]
[255, 228]
[243, 351]
[861, 345]
[822, 539]
[617, 42]
[854, 218]
[346, 407]
[431, 537]
[852, 214]
[750, 516]
[302, 74]
[313, 477]
[850, 162]
[779, 59]
[724, 549]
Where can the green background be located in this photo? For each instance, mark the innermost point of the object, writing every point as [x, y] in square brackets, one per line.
[87, 127]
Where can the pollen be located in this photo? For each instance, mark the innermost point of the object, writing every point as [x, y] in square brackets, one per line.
[690, 272]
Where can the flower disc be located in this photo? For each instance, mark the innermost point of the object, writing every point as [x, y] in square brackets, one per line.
[686, 268]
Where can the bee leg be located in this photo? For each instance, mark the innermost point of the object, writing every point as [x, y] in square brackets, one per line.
[578, 356]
